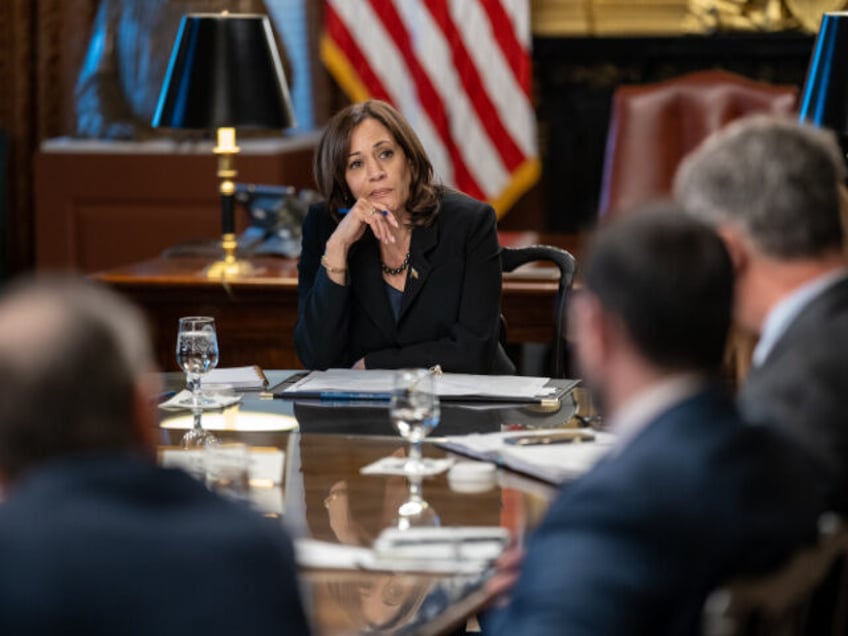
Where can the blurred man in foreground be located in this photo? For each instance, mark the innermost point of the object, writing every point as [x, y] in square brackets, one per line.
[94, 538]
[689, 496]
[771, 188]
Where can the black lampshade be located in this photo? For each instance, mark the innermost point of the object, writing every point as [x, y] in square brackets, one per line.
[224, 71]
[824, 101]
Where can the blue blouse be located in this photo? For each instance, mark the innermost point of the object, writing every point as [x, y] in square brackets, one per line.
[395, 296]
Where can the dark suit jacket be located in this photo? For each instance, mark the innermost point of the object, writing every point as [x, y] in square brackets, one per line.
[802, 386]
[450, 309]
[114, 545]
[636, 545]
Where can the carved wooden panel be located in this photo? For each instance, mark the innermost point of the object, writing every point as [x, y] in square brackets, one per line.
[41, 45]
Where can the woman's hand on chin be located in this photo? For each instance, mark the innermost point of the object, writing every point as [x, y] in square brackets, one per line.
[365, 213]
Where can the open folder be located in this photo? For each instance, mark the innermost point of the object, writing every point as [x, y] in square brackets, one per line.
[376, 385]
[553, 455]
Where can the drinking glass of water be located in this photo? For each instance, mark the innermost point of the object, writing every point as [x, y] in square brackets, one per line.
[197, 354]
[414, 411]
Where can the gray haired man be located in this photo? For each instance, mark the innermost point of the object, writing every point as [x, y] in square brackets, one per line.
[772, 190]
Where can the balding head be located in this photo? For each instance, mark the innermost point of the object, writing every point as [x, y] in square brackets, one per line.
[72, 357]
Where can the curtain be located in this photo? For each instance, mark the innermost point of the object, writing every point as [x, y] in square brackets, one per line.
[41, 46]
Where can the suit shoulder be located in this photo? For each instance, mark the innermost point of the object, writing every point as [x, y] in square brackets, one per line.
[466, 215]
[457, 205]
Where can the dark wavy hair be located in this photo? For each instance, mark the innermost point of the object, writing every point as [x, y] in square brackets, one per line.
[334, 147]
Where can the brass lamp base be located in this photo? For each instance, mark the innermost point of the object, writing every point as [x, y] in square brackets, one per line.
[230, 266]
[231, 269]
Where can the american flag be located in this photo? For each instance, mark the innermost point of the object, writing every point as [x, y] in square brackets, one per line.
[459, 71]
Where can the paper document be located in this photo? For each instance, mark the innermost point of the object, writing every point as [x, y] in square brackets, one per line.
[381, 381]
[551, 462]
[249, 378]
[448, 550]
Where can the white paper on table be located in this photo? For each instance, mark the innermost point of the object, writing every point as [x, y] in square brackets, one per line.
[315, 554]
[392, 465]
[265, 464]
[448, 384]
[215, 400]
[267, 499]
[480, 544]
[312, 553]
[243, 378]
[554, 463]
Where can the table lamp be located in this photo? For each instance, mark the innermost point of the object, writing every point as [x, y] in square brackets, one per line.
[225, 73]
[824, 99]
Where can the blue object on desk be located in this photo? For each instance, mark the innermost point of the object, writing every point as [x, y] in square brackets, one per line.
[162, 397]
[333, 396]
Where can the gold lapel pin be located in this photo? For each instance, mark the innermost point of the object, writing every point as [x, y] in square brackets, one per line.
[413, 272]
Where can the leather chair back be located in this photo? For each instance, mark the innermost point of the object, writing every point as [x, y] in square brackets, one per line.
[653, 126]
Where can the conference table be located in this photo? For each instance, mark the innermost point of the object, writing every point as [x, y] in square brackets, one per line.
[321, 494]
[256, 314]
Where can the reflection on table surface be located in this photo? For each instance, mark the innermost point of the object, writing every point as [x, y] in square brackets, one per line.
[326, 497]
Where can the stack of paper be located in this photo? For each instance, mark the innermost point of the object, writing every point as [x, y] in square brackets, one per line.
[645, 17]
[250, 378]
[378, 384]
[561, 17]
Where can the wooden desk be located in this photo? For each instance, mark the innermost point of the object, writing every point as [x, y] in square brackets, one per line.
[256, 316]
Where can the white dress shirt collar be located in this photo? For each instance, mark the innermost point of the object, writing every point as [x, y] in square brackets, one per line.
[643, 408]
[784, 312]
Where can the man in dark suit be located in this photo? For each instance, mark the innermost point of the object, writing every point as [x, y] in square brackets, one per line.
[771, 188]
[689, 496]
[94, 538]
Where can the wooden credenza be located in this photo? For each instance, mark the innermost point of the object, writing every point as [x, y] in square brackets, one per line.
[256, 315]
[102, 204]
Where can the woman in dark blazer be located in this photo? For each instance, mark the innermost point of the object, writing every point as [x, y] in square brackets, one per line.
[395, 271]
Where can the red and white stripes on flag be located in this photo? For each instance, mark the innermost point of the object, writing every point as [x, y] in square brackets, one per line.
[459, 71]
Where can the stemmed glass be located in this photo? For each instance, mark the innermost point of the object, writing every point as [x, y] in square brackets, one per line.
[415, 512]
[197, 354]
[198, 437]
[414, 411]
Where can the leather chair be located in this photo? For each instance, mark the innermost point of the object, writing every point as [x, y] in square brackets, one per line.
[653, 126]
[512, 258]
[806, 597]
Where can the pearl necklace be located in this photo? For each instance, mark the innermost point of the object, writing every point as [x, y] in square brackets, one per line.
[394, 271]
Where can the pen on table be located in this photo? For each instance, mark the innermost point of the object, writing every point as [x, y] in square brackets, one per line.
[344, 211]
